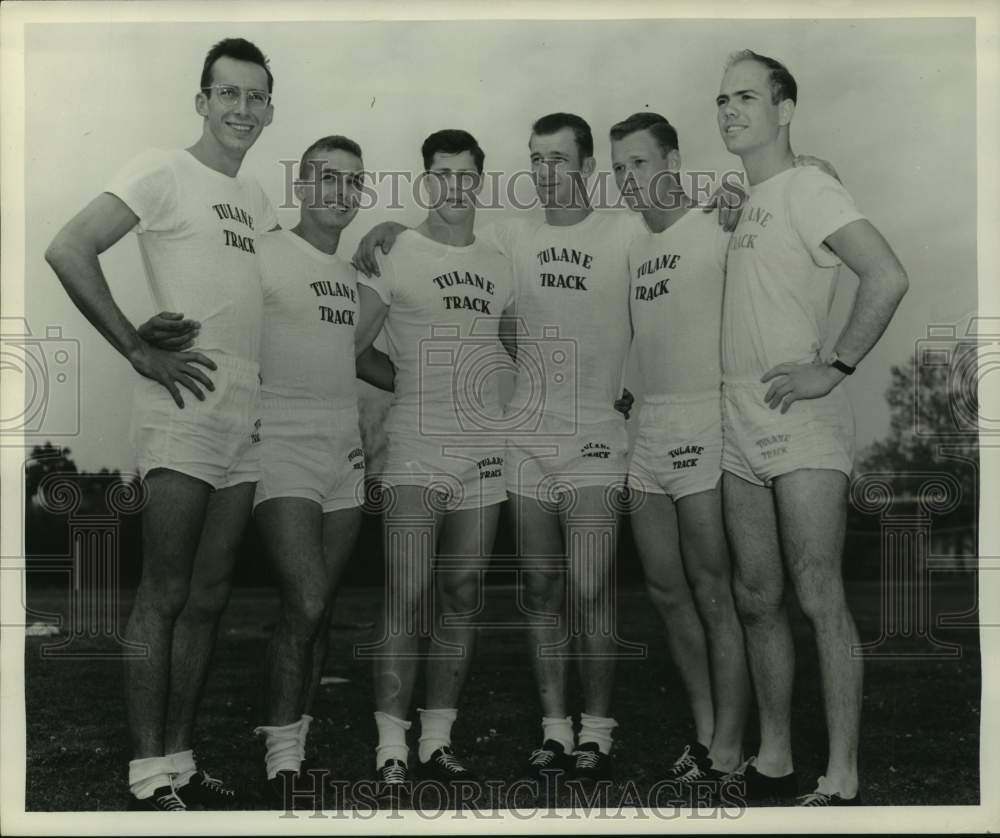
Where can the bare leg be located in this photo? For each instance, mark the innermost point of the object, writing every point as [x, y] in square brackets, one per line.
[411, 534]
[758, 586]
[293, 531]
[590, 535]
[539, 544]
[340, 535]
[706, 559]
[197, 625]
[654, 526]
[171, 527]
[812, 511]
[465, 534]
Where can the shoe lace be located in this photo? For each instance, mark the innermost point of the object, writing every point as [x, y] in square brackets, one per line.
[450, 762]
[170, 802]
[815, 798]
[541, 757]
[215, 785]
[685, 761]
[394, 773]
[694, 773]
[739, 772]
[587, 759]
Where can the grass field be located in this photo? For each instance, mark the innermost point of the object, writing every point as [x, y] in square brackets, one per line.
[920, 734]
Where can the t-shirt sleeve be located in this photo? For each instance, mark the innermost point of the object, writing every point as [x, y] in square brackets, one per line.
[819, 206]
[382, 285]
[266, 245]
[147, 184]
[268, 214]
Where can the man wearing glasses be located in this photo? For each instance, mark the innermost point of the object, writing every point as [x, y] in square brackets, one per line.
[197, 222]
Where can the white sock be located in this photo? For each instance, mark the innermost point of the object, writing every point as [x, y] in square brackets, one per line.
[435, 730]
[282, 743]
[558, 730]
[147, 775]
[597, 729]
[184, 767]
[304, 723]
[391, 739]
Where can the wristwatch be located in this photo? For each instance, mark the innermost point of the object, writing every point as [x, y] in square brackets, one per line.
[835, 362]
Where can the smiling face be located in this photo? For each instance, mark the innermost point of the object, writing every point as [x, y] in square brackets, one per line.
[557, 169]
[330, 188]
[748, 119]
[234, 128]
[642, 170]
[452, 183]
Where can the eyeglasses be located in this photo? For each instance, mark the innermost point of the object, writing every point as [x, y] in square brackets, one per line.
[229, 95]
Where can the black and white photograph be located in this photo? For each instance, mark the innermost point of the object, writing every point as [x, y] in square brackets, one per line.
[563, 417]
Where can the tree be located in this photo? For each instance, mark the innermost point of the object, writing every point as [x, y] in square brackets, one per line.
[45, 460]
[934, 428]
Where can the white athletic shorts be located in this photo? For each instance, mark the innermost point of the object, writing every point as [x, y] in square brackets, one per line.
[678, 450]
[564, 455]
[761, 444]
[215, 440]
[311, 449]
[459, 472]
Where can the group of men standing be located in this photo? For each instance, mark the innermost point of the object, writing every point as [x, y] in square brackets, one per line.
[745, 443]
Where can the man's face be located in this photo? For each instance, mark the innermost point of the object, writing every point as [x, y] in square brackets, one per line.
[641, 170]
[747, 117]
[556, 168]
[330, 188]
[453, 183]
[237, 125]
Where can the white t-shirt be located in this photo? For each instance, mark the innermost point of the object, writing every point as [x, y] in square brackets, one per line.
[780, 277]
[310, 311]
[676, 301]
[442, 327]
[572, 298]
[196, 235]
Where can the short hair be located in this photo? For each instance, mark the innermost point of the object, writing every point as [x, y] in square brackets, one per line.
[554, 122]
[239, 49]
[332, 143]
[661, 130]
[451, 141]
[781, 82]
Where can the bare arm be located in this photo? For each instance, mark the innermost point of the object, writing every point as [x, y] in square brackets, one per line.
[73, 255]
[374, 367]
[821, 164]
[169, 330]
[381, 235]
[507, 331]
[882, 282]
[371, 316]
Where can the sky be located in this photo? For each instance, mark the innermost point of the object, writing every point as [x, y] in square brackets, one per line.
[891, 103]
